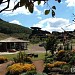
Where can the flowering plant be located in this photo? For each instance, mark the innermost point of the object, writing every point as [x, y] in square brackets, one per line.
[19, 68]
[49, 65]
[61, 51]
[3, 59]
[58, 63]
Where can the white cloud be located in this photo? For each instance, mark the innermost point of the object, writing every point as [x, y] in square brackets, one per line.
[16, 22]
[71, 27]
[54, 24]
[42, 3]
[5, 4]
[70, 3]
[39, 18]
[37, 11]
[21, 10]
[36, 7]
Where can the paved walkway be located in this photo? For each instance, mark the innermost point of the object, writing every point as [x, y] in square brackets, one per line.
[39, 65]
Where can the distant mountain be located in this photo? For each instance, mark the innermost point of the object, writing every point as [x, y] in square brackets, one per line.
[15, 30]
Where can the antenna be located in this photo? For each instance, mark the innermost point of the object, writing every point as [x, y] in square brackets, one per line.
[66, 32]
[63, 29]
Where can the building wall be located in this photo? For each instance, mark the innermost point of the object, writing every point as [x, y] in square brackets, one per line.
[12, 45]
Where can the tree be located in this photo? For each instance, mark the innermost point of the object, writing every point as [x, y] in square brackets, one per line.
[29, 4]
[51, 44]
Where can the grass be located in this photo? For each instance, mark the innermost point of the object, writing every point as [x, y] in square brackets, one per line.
[41, 56]
[10, 56]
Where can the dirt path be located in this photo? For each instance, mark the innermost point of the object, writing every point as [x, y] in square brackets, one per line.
[39, 65]
[35, 49]
[3, 67]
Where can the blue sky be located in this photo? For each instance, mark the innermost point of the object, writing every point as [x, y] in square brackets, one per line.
[22, 16]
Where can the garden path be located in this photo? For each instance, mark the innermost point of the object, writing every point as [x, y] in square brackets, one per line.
[3, 67]
[39, 65]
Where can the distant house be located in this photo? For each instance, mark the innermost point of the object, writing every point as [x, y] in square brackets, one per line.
[36, 31]
[12, 43]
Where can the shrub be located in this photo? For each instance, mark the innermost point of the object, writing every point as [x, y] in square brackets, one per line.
[22, 58]
[72, 60]
[30, 73]
[18, 68]
[67, 57]
[3, 59]
[66, 67]
[49, 60]
[59, 63]
[15, 69]
[28, 67]
[60, 55]
[50, 65]
[27, 59]
[55, 64]
[60, 52]
[35, 40]
[46, 69]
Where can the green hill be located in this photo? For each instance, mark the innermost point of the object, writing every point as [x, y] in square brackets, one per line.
[3, 36]
[9, 29]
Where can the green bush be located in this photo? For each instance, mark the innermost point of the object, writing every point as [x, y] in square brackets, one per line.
[49, 60]
[46, 70]
[3, 59]
[66, 68]
[22, 58]
[65, 56]
[31, 73]
[72, 60]
[35, 40]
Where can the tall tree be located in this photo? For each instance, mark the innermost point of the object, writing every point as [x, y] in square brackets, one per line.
[51, 44]
[29, 4]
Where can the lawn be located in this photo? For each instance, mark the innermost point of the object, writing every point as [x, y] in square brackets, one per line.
[10, 56]
[41, 56]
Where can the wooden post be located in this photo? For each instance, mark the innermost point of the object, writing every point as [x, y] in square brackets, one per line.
[5, 46]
